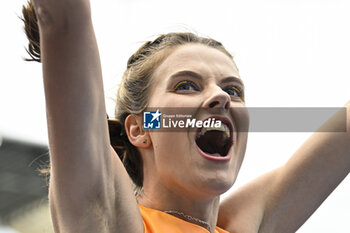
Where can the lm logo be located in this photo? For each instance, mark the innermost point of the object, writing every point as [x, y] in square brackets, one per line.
[151, 120]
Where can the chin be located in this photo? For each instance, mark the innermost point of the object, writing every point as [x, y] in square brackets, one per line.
[218, 185]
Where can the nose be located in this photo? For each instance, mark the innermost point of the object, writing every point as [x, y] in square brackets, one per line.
[217, 99]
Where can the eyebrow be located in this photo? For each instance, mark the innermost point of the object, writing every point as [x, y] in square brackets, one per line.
[232, 79]
[186, 73]
[198, 76]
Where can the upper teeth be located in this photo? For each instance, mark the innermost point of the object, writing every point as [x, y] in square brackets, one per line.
[224, 128]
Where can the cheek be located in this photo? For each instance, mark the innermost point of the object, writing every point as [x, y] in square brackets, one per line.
[170, 147]
[243, 128]
[240, 150]
[241, 119]
[172, 158]
[163, 99]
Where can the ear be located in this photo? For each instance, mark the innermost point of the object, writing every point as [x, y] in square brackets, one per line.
[136, 134]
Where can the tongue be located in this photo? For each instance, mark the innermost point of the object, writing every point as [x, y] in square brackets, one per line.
[214, 142]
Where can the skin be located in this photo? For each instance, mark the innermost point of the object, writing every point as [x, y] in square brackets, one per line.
[192, 183]
[90, 190]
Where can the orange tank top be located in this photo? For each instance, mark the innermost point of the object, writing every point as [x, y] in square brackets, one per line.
[156, 221]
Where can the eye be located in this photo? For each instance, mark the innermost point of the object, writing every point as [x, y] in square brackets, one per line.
[185, 86]
[234, 91]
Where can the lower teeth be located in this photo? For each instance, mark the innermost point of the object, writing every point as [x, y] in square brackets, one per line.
[214, 142]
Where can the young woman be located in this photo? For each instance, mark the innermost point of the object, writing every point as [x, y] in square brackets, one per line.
[178, 178]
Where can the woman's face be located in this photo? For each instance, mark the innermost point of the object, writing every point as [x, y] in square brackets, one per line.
[207, 81]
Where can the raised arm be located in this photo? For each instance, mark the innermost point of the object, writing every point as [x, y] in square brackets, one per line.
[90, 190]
[282, 200]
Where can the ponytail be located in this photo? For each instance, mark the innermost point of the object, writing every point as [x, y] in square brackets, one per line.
[31, 29]
[127, 152]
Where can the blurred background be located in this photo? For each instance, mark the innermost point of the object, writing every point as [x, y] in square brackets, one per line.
[291, 53]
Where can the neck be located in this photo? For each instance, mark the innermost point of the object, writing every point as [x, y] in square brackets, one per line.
[202, 211]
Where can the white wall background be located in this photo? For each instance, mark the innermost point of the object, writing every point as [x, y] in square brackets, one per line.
[290, 53]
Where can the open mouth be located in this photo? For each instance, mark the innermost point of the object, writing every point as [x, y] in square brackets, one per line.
[215, 142]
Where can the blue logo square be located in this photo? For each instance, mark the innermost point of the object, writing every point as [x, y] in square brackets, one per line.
[151, 120]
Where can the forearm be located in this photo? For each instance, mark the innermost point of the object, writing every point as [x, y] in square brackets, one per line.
[54, 16]
[325, 152]
[313, 172]
[76, 115]
[73, 83]
[71, 66]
